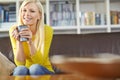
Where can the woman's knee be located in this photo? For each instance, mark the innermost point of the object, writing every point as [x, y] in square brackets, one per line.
[20, 70]
[37, 69]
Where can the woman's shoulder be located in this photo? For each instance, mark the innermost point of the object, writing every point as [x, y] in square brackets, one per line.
[48, 29]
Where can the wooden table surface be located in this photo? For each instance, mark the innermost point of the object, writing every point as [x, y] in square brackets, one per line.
[107, 67]
[79, 69]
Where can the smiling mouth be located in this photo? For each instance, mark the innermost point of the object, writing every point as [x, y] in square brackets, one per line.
[26, 19]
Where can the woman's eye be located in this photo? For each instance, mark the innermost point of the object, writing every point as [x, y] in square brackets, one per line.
[24, 10]
[32, 11]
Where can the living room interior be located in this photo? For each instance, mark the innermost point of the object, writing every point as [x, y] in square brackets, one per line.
[92, 42]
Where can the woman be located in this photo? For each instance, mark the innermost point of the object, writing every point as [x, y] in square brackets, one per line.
[31, 56]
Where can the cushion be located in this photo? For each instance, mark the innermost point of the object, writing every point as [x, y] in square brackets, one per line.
[6, 66]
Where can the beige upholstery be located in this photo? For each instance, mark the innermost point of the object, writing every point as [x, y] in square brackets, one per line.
[6, 66]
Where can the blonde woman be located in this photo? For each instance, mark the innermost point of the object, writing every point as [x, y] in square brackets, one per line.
[31, 56]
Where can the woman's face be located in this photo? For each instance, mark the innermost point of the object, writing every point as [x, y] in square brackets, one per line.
[30, 14]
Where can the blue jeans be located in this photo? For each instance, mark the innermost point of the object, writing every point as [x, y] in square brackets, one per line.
[35, 69]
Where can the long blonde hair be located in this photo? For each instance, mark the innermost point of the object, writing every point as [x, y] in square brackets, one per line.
[39, 37]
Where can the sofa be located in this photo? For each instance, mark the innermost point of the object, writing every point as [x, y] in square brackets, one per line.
[85, 45]
[75, 45]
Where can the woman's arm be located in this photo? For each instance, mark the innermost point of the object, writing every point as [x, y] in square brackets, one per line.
[38, 57]
[19, 56]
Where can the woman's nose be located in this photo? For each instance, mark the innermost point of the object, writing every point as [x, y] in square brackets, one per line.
[27, 13]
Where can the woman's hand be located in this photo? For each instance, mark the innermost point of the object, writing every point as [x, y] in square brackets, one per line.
[15, 34]
[26, 33]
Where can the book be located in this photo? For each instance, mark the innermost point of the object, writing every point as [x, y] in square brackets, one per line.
[114, 17]
[118, 17]
[1, 14]
[97, 18]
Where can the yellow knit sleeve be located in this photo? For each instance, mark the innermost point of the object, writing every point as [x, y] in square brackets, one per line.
[13, 41]
[48, 41]
[18, 63]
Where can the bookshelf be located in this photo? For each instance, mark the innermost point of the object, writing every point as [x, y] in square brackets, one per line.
[114, 6]
[73, 16]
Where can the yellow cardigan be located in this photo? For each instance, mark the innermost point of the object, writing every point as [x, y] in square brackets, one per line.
[37, 58]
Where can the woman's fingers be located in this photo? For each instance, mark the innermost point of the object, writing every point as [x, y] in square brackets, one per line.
[15, 34]
[26, 33]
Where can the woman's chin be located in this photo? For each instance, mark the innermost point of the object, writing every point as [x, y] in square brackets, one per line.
[27, 24]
